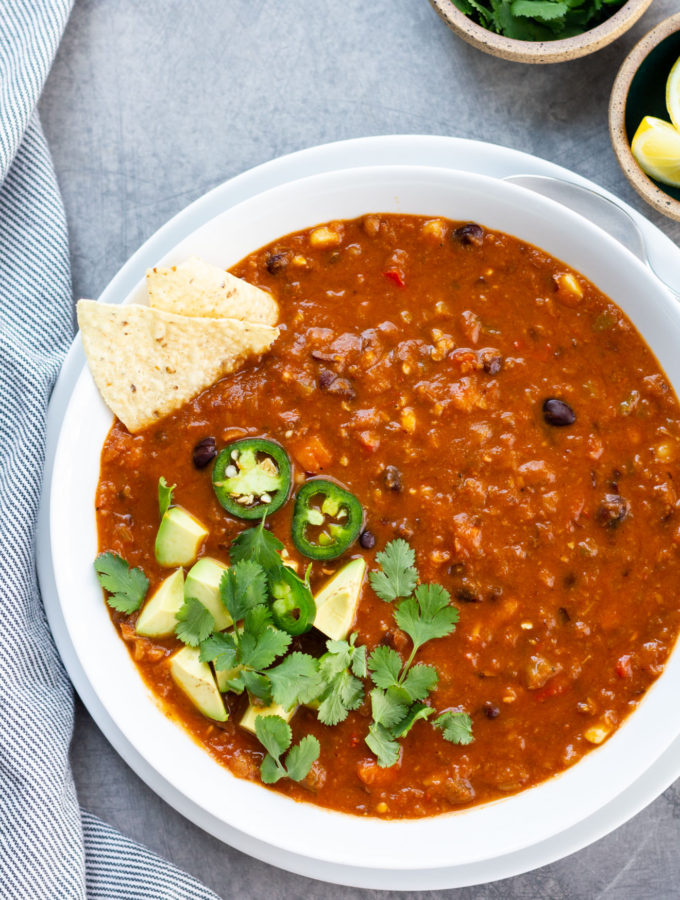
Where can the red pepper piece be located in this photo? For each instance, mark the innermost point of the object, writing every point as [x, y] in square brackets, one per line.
[395, 275]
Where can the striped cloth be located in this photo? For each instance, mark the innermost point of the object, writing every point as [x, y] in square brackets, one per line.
[48, 848]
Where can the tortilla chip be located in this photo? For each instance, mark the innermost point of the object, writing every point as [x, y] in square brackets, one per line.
[195, 288]
[147, 362]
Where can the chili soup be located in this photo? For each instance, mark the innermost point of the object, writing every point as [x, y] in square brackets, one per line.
[494, 413]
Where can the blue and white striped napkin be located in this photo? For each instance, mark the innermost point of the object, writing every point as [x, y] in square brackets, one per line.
[48, 847]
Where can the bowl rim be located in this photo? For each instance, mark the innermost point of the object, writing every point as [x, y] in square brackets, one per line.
[642, 183]
[367, 177]
[561, 50]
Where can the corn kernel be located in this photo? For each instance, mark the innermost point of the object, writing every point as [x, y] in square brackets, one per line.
[597, 733]
[324, 237]
[382, 807]
[567, 282]
[434, 228]
[408, 420]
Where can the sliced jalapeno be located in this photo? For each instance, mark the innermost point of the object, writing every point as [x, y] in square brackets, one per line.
[251, 477]
[327, 519]
[293, 608]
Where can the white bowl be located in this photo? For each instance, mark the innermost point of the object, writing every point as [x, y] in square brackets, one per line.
[480, 833]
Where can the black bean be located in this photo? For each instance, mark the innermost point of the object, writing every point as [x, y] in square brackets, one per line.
[558, 413]
[612, 510]
[277, 262]
[204, 452]
[468, 594]
[326, 378]
[392, 477]
[491, 711]
[493, 365]
[367, 539]
[469, 234]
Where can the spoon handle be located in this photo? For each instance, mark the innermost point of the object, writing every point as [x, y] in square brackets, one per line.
[610, 215]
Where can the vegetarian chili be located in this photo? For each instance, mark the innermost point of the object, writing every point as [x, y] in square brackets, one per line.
[491, 408]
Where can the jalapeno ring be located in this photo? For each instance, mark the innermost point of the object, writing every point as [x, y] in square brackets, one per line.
[293, 608]
[338, 517]
[252, 477]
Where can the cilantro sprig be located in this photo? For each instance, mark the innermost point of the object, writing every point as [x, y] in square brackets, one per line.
[276, 737]
[538, 20]
[424, 612]
[255, 643]
[165, 492]
[340, 669]
[126, 587]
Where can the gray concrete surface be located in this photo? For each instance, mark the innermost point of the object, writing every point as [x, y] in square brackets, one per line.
[151, 104]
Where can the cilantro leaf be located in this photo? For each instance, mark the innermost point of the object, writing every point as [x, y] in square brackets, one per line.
[545, 10]
[295, 680]
[342, 655]
[276, 737]
[164, 495]
[260, 651]
[419, 681]
[381, 742]
[127, 587]
[219, 649]
[427, 615]
[302, 757]
[385, 665]
[387, 707]
[416, 712]
[257, 684]
[259, 545]
[242, 587]
[274, 734]
[399, 576]
[257, 619]
[194, 622]
[271, 770]
[456, 727]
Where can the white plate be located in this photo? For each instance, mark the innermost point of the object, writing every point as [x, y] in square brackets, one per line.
[470, 849]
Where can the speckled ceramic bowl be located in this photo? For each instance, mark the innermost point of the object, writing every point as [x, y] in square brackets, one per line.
[640, 90]
[541, 51]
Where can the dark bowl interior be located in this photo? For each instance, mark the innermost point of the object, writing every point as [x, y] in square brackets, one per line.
[647, 93]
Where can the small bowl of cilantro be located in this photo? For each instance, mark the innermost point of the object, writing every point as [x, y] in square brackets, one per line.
[540, 31]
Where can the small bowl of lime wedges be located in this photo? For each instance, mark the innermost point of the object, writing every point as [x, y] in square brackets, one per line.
[644, 117]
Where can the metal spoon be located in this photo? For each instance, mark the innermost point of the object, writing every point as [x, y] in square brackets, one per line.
[608, 214]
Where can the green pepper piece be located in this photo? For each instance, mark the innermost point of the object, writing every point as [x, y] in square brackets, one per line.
[252, 477]
[293, 609]
[332, 502]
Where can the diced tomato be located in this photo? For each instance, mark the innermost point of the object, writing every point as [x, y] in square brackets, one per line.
[553, 689]
[369, 440]
[370, 772]
[313, 455]
[395, 275]
[624, 669]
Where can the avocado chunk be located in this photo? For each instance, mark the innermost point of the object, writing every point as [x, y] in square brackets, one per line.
[157, 619]
[223, 677]
[196, 679]
[253, 712]
[203, 583]
[179, 537]
[338, 599]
